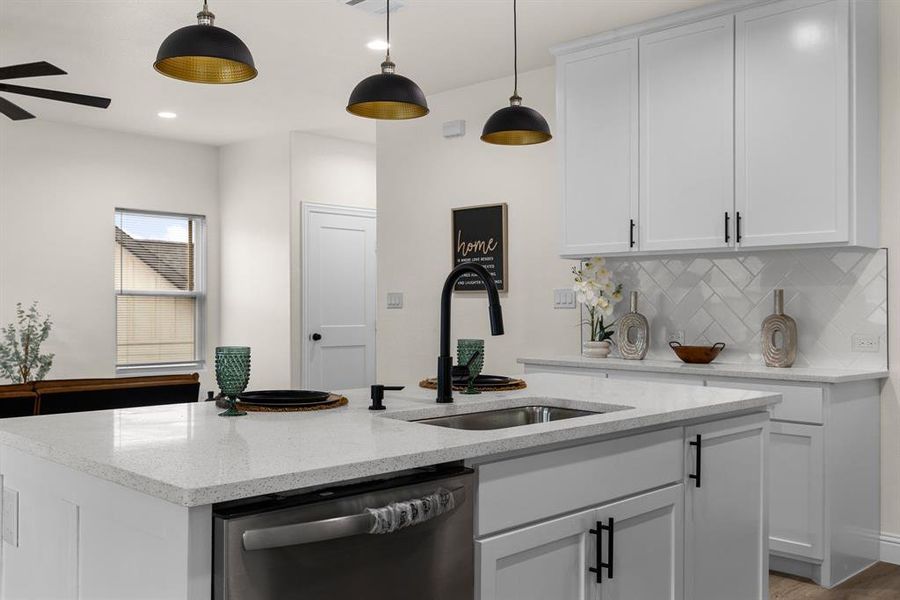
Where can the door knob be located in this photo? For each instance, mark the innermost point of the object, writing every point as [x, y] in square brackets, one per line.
[316, 337]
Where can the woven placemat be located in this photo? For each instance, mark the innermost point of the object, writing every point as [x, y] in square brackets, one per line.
[334, 402]
[513, 385]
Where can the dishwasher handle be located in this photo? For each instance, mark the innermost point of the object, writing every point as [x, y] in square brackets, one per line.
[326, 529]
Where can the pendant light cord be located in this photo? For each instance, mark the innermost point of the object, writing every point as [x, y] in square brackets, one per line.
[515, 51]
[387, 56]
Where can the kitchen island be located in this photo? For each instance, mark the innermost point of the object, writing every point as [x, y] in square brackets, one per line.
[118, 504]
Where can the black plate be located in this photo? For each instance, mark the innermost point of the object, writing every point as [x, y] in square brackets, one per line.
[484, 380]
[284, 397]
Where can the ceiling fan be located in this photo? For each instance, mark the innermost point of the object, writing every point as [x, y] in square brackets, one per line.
[39, 69]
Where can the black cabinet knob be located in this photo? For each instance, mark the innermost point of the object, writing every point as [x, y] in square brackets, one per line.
[316, 337]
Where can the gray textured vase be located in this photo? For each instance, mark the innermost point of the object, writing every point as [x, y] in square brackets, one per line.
[779, 336]
[633, 337]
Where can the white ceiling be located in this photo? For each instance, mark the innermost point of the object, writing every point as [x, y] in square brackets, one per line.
[310, 54]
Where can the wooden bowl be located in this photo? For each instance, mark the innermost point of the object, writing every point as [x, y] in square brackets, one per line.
[698, 355]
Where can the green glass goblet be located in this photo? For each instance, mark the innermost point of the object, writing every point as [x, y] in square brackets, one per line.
[232, 375]
[466, 351]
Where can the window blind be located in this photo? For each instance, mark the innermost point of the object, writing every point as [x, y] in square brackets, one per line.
[158, 291]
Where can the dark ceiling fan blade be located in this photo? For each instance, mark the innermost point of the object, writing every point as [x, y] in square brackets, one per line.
[14, 112]
[94, 101]
[35, 69]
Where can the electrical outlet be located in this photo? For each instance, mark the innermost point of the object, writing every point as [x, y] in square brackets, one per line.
[861, 342]
[10, 517]
[395, 300]
[564, 298]
[676, 336]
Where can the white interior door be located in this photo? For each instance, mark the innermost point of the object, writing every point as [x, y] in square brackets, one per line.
[339, 276]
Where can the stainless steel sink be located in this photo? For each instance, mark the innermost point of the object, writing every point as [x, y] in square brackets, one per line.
[508, 417]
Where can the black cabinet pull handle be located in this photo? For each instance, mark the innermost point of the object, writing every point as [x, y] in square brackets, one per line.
[611, 535]
[316, 337]
[699, 445]
[631, 233]
[739, 235]
[727, 223]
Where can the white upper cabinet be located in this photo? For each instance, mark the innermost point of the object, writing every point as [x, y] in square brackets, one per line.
[721, 129]
[687, 136]
[792, 115]
[598, 132]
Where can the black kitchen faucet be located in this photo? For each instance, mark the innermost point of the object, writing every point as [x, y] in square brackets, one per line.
[445, 360]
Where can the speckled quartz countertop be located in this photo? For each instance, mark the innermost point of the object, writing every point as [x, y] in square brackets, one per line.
[187, 455]
[711, 370]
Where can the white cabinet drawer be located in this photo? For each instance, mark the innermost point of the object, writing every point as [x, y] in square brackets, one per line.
[656, 377]
[801, 403]
[584, 372]
[529, 488]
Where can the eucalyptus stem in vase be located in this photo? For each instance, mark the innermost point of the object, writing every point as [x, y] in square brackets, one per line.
[599, 293]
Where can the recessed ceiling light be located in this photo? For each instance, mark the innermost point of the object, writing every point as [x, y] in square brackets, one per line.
[165, 114]
[377, 45]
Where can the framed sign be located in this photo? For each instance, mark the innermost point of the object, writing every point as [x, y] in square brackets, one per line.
[479, 236]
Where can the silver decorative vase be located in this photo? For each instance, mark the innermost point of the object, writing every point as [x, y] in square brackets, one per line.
[633, 336]
[779, 336]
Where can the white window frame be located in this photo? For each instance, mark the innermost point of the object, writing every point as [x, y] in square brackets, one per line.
[199, 294]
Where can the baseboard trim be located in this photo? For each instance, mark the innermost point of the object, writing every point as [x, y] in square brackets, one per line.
[890, 548]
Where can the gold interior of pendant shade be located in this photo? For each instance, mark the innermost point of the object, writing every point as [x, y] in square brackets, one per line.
[205, 69]
[516, 137]
[383, 109]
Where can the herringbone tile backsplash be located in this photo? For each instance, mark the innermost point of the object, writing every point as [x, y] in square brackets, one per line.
[832, 293]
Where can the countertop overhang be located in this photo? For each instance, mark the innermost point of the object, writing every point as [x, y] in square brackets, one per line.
[799, 374]
[187, 455]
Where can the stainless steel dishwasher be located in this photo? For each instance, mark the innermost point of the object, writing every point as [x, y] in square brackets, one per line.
[317, 546]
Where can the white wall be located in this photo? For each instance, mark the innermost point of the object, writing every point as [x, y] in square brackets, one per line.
[256, 254]
[421, 176]
[328, 170]
[263, 182]
[59, 186]
[890, 237]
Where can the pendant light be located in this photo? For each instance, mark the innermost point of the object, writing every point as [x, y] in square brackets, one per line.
[204, 53]
[516, 125]
[387, 95]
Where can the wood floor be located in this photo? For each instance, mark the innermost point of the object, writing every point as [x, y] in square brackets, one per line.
[880, 582]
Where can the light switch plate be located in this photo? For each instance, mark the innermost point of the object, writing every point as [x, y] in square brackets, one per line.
[564, 298]
[861, 342]
[10, 520]
[395, 300]
[676, 336]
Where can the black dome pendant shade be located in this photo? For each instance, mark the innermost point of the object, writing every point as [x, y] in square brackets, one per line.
[204, 53]
[387, 95]
[516, 125]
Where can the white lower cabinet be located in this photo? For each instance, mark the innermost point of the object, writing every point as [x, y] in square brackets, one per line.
[641, 540]
[624, 550]
[797, 476]
[726, 539]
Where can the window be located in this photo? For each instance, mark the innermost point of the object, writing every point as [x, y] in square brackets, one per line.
[159, 289]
